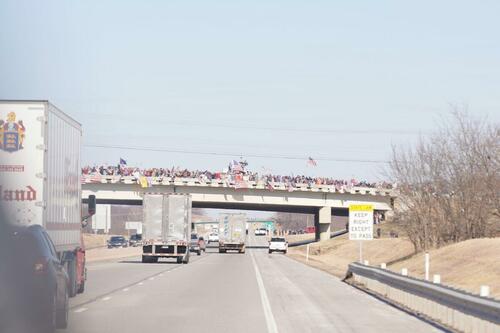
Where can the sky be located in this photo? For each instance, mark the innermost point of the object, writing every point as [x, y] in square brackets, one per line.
[199, 83]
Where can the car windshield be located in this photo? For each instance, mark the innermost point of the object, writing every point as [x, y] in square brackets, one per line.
[194, 236]
[117, 239]
[277, 239]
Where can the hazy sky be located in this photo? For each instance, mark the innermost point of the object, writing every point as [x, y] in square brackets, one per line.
[327, 79]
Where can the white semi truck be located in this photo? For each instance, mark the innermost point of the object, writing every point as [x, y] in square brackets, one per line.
[232, 232]
[40, 178]
[166, 229]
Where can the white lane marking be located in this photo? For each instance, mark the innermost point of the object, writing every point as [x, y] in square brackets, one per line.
[107, 298]
[161, 274]
[80, 310]
[140, 283]
[151, 278]
[268, 313]
[126, 289]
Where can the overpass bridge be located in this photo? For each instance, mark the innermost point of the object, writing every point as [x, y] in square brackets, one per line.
[321, 200]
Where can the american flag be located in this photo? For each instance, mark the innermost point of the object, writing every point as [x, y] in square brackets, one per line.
[95, 178]
[269, 186]
[311, 162]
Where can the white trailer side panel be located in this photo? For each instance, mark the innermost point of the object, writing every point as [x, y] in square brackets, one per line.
[63, 171]
[22, 162]
[40, 169]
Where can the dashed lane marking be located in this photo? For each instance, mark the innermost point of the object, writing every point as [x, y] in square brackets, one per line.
[126, 289]
[80, 310]
[107, 298]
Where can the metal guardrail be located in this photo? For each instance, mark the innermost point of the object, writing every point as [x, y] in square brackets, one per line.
[309, 241]
[484, 308]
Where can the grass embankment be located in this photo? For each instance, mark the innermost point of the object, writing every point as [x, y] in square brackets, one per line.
[465, 265]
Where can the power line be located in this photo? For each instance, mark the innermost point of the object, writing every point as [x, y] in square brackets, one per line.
[193, 152]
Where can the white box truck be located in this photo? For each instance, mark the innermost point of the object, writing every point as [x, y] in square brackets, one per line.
[232, 232]
[40, 178]
[166, 227]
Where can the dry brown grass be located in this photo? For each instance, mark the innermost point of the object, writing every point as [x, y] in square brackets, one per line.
[92, 241]
[103, 254]
[466, 265]
[336, 254]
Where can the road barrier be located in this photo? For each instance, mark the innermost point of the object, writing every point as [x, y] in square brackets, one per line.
[455, 308]
[309, 241]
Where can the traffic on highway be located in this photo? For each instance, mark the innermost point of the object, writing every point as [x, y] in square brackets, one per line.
[249, 166]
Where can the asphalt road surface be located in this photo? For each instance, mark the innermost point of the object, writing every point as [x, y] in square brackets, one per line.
[252, 292]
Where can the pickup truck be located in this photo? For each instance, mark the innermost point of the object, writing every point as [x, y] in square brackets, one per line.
[197, 244]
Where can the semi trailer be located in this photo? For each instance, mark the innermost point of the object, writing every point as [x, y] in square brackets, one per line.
[232, 232]
[166, 227]
[40, 178]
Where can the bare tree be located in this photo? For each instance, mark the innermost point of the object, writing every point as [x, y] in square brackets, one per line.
[448, 184]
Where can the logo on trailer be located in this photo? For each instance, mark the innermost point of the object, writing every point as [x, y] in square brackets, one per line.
[12, 133]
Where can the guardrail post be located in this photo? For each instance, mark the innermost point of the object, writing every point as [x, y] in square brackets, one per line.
[307, 252]
[484, 291]
[404, 271]
[436, 279]
[427, 264]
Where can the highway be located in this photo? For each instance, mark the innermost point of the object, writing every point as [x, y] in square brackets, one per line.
[252, 292]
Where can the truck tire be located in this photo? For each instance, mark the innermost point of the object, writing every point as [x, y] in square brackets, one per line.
[81, 288]
[270, 251]
[179, 260]
[145, 259]
[72, 288]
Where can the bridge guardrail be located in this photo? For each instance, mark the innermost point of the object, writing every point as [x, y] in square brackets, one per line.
[155, 181]
[484, 308]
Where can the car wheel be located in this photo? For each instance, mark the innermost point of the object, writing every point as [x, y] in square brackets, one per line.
[270, 251]
[145, 259]
[48, 324]
[198, 252]
[62, 313]
[179, 260]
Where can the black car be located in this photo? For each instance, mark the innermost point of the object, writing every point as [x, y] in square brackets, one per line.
[135, 240]
[117, 241]
[36, 297]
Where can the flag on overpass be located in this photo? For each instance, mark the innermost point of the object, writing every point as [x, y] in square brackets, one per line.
[235, 166]
[143, 181]
[311, 162]
[122, 161]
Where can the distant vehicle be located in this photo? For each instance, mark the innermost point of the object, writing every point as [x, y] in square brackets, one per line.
[41, 278]
[117, 241]
[261, 232]
[166, 227]
[197, 244]
[213, 237]
[42, 145]
[278, 244]
[203, 244]
[232, 235]
[135, 240]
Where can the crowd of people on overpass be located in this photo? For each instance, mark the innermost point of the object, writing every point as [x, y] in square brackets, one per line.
[231, 176]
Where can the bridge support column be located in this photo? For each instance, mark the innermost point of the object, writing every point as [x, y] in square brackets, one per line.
[322, 222]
